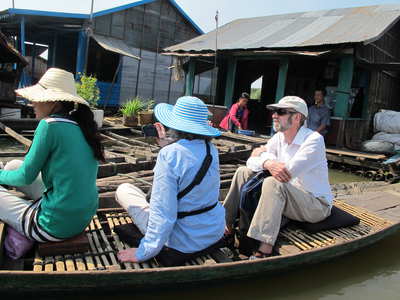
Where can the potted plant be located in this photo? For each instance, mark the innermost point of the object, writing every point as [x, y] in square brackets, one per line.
[87, 88]
[145, 116]
[130, 111]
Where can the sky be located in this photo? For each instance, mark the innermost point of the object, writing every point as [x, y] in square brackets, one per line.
[202, 12]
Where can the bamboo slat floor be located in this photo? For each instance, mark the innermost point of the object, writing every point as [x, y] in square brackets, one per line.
[105, 243]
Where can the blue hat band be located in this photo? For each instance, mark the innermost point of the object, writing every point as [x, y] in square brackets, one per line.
[189, 114]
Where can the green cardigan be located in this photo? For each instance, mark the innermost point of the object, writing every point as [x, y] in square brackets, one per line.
[69, 171]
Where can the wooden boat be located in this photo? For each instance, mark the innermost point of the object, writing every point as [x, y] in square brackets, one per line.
[99, 268]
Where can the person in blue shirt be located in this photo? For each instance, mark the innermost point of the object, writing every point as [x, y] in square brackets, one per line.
[319, 114]
[177, 164]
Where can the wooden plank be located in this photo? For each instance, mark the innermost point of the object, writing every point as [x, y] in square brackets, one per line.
[15, 135]
[355, 153]
[344, 86]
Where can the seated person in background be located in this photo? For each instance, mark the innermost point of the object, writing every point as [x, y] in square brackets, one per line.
[162, 221]
[238, 115]
[60, 169]
[298, 188]
[319, 114]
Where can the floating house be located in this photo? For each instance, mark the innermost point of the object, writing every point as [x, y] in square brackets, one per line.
[11, 65]
[354, 53]
[120, 46]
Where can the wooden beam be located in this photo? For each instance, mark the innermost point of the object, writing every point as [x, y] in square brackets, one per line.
[190, 78]
[230, 81]
[344, 86]
[15, 135]
[283, 70]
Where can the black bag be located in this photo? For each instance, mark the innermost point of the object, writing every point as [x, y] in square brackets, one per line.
[249, 197]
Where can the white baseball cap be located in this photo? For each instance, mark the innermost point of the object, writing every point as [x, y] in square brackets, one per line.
[293, 102]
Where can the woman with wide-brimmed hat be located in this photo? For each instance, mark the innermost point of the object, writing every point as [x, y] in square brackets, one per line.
[60, 169]
[182, 216]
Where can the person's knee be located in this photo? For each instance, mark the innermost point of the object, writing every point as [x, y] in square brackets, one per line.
[270, 183]
[13, 164]
[244, 170]
[122, 190]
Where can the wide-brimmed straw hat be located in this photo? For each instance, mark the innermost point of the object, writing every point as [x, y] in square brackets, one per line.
[189, 114]
[55, 85]
[293, 102]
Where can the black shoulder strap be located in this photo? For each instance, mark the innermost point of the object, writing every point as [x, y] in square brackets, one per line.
[200, 174]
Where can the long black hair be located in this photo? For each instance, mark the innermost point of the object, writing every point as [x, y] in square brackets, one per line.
[83, 115]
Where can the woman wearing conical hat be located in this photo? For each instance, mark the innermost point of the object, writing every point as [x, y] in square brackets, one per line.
[60, 169]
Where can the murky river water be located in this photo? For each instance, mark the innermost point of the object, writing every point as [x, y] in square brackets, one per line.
[371, 273]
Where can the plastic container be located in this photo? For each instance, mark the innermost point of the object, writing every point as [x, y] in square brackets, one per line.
[246, 132]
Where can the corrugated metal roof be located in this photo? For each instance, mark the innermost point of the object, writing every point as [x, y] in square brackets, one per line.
[316, 28]
[16, 11]
[115, 45]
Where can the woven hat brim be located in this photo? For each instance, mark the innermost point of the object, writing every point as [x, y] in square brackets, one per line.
[164, 113]
[37, 93]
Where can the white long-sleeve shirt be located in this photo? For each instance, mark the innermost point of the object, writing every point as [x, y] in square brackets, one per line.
[304, 158]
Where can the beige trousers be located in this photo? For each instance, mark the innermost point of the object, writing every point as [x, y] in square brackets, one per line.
[277, 199]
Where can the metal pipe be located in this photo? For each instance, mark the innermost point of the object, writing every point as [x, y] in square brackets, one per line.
[214, 78]
[88, 33]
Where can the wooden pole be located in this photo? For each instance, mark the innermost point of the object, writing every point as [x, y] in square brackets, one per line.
[15, 135]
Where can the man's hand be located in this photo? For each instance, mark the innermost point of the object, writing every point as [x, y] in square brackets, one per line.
[127, 255]
[278, 170]
[257, 151]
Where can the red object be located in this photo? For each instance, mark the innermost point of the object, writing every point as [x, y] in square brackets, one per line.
[232, 115]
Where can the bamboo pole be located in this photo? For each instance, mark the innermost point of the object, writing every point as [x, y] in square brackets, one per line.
[132, 140]
[48, 263]
[80, 265]
[115, 265]
[60, 266]
[37, 263]
[101, 251]
[15, 135]
[116, 222]
[117, 242]
[94, 251]
[69, 262]
[122, 221]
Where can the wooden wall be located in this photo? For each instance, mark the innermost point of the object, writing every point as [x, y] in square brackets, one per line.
[384, 86]
[148, 28]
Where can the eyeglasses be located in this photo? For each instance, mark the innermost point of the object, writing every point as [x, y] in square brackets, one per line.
[283, 111]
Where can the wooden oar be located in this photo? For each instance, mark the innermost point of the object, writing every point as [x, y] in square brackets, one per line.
[15, 135]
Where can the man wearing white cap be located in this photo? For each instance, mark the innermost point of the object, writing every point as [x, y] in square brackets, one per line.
[298, 187]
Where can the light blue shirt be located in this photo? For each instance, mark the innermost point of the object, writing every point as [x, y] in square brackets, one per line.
[177, 164]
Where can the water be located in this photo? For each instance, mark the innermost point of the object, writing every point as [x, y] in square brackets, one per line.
[371, 273]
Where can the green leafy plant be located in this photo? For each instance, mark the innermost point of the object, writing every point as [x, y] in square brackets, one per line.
[87, 88]
[149, 105]
[132, 107]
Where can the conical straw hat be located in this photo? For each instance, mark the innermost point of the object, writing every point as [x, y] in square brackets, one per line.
[55, 85]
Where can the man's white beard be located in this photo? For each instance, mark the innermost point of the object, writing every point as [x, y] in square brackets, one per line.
[278, 125]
